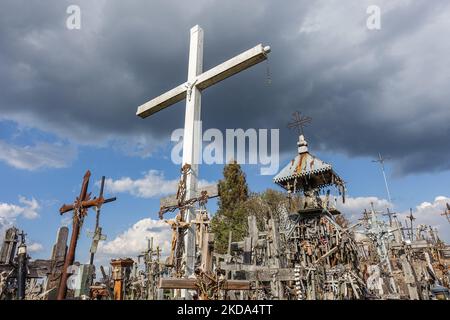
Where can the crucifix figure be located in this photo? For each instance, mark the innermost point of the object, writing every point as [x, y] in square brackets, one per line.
[299, 122]
[80, 208]
[178, 229]
[191, 90]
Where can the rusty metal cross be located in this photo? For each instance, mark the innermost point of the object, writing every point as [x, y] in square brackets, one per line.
[299, 122]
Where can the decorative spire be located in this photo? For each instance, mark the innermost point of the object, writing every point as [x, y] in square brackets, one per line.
[302, 144]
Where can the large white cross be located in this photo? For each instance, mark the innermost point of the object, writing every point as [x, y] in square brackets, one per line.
[191, 91]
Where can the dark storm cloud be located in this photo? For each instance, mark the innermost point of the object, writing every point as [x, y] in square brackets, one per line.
[367, 91]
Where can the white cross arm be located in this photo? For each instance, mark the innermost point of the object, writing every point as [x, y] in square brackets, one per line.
[165, 100]
[212, 76]
[230, 67]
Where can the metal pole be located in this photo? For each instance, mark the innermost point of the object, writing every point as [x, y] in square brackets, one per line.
[381, 161]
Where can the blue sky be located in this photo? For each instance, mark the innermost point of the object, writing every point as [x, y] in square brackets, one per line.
[68, 100]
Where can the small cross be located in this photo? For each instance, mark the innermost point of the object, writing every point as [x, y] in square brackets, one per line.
[390, 215]
[299, 122]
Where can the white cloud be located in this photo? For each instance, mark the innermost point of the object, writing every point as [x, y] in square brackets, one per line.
[153, 184]
[10, 212]
[35, 247]
[133, 241]
[429, 213]
[41, 155]
[354, 207]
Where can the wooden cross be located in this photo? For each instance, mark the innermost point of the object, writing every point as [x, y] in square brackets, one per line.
[58, 258]
[179, 224]
[365, 217]
[299, 122]
[8, 250]
[80, 208]
[191, 90]
[39, 268]
[148, 253]
[390, 215]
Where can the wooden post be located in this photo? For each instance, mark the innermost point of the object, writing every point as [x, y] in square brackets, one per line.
[409, 277]
[247, 250]
[57, 262]
[207, 253]
[120, 271]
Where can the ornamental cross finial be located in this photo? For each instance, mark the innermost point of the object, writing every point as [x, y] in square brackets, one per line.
[299, 122]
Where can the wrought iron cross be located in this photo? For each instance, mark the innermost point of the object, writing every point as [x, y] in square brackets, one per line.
[299, 122]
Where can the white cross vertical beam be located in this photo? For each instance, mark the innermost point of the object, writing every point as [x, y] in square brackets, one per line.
[191, 138]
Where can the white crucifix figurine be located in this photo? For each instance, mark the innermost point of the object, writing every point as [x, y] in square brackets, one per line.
[191, 91]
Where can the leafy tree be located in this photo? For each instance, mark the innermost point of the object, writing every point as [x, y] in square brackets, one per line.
[265, 205]
[231, 215]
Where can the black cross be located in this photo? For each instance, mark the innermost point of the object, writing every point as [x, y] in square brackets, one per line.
[299, 122]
